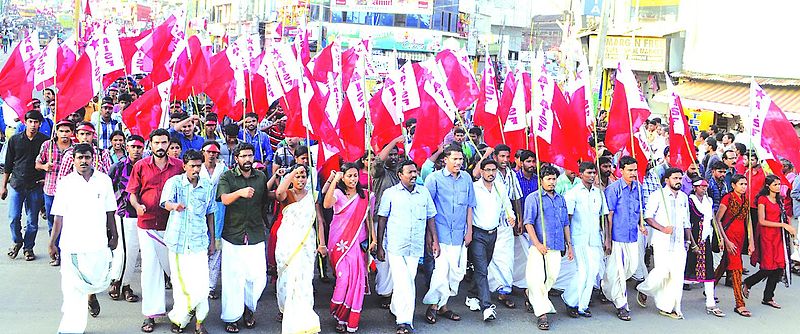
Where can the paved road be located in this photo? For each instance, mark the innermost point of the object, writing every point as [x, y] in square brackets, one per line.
[31, 300]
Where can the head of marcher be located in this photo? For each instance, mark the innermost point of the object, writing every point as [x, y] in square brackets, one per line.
[718, 170]
[453, 159]
[407, 172]
[192, 161]
[84, 132]
[64, 131]
[693, 171]
[699, 187]
[118, 140]
[251, 122]
[188, 128]
[489, 170]
[772, 187]
[475, 134]
[739, 184]
[349, 182]
[159, 142]
[211, 152]
[672, 178]
[528, 160]
[244, 156]
[135, 147]
[174, 149]
[588, 172]
[729, 158]
[231, 132]
[752, 159]
[459, 135]
[83, 155]
[49, 94]
[630, 169]
[301, 155]
[106, 109]
[502, 154]
[300, 177]
[33, 120]
[548, 175]
[606, 168]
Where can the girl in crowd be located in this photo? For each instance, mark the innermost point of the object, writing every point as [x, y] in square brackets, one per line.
[700, 259]
[732, 215]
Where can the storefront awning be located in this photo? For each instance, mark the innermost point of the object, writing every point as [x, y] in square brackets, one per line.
[732, 98]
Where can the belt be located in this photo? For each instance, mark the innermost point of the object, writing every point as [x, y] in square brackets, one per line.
[492, 231]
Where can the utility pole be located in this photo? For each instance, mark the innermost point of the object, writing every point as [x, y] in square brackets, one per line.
[601, 49]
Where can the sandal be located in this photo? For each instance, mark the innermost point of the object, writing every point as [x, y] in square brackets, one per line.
[771, 303]
[402, 329]
[715, 311]
[341, 328]
[641, 299]
[213, 294]
[231, 327]
[29, 255]
[745, 313]
[113, 289]
[430, 316]
[586, 313]
[623, 314]
[94, 306]
[148, 325]
[449, 314]
[386, 302]
[176, 329]
[542, 323]
[200, 330]
[507, 302]
[745, 291]
[128, 294]
[14, 251]
[56, 261]
[528, 306]
[249, 318]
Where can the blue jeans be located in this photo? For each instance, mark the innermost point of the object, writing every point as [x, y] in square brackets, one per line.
[32, 199]
[48, 204]
[480, 251]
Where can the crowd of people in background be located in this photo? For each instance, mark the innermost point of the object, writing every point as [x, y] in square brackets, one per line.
[215, 209]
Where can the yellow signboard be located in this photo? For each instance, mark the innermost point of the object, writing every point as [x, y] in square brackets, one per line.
[699, 119]
[647, 54]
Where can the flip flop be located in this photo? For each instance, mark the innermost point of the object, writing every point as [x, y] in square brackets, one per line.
[542, 323]
[449, 314]
[249, 318]
[507, 302]
[231, 327]
[771, 304]
[430, 316]
[402, 329]
[744, 313]
[148, 325]
[128, 294]
[114, 290]
[623, 314]
[94, 306]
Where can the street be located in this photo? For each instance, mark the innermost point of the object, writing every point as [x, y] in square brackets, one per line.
[32, 299]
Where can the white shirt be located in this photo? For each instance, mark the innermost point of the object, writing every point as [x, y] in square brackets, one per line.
[492, 206]
[83, 206]
[511, 183]
[214, 178]
[668, 210]
[586, 206]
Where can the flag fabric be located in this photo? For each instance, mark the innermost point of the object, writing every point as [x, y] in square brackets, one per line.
[16, 77]
[222, 87]
[581, 103]
[486, 115]
[681, 152]
[459, 79]
[144, 114]
[67, 55]
[629, 110]
[437, 111]
[353, 116]
[45, 66]
[771, 133]
[81, 84]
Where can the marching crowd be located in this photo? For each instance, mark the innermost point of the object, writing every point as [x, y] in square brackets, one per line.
[217, 209]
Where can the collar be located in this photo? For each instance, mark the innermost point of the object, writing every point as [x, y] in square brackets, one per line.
[447, 173]
[185, 181]
[152, 161]
[411, 191]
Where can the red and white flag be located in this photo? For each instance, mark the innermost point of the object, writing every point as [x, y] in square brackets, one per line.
[45, 66]
[681, 151]
[67, 55]
[16, 77]
[144, 114]
[81, 84]
[771, 133]
[629, 110]
[267, 70]
[353, 116]
[436, 113]
[486, 114]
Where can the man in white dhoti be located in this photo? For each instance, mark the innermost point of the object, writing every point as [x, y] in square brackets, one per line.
[547, 224]
[84, 209]
[528, 182]
[622, 229]
[586, 206]
[668, 213]
[384, 176]
[190, 240]
[452, 193]
[404, 215]
[501, 268]
[243, 190]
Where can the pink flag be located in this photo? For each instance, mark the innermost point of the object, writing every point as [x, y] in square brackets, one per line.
[459, 79]
[16, 77]
[771, 133]
[67, 55]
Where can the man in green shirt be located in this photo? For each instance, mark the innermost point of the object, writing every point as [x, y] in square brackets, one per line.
[243, 190]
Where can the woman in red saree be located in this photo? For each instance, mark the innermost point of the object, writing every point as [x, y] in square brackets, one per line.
[346, 245]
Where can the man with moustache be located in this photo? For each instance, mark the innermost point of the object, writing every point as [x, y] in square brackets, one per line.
[528, 182]
[260, 141]
[144, 188]
[84, 221]
[605, 173]
[668, 215]
[84, 133]
[190, 239]
[49, 161]
[183, 131]
[693, 172]
[243, 190]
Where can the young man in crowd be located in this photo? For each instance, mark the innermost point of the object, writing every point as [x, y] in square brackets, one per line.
[49, 161]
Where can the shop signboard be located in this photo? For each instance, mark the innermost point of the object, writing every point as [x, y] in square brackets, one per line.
[418, 7]
[385, 38]
[647, 54]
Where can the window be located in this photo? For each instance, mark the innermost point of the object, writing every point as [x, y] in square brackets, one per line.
[400, 20]
[418, 21]
[338, 17]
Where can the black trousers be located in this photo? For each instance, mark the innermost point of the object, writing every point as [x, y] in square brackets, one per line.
[480, 252]
[772, 277]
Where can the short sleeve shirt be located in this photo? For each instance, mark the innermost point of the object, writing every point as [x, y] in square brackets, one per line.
[668, 210]
[586, 207]
[554, 214]
[187, 230]
[84, 216]
[623, 202]
[452, 194]
[407, 212]
[244, 224]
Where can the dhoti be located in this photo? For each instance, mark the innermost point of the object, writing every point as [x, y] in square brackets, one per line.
[383, 276]
[404, 270]
[82, 274]
[244, 277]
[640, 272]
[521, 246]
[501, 268]
[620, 266]
[449, 269]
[665, 282]
[124, 262]
[155, 262]
[189, 287]
[568, 270]
[541, 273]
[588, 260]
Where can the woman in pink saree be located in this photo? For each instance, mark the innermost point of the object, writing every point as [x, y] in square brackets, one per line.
[347, 245]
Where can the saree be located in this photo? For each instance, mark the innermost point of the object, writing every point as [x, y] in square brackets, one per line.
[295, 254]
[347, 232]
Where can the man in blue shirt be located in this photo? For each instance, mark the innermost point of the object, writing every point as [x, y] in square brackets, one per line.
[407, 212]
[183, 130]
[190, 239]
[547, 224]
[622, 233]
[258, 139]
[452, 193]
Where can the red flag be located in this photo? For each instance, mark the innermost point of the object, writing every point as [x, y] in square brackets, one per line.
[222, 87]
[156, 50]
[386, 124]
[460, 80]
[681, 152]
[771, 133]
[581, 112]
[16, 77]
[66, 57]
[289, 72]
[79, 86]
[353, 116]
[629, 110]
[436, 113]
[144, 114]
[486, 109]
